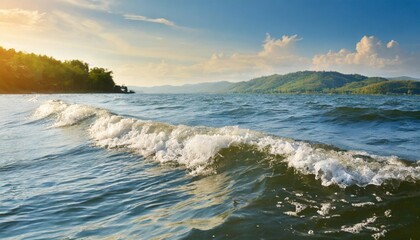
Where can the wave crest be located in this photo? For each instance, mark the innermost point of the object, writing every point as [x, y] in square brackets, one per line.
[197, 148]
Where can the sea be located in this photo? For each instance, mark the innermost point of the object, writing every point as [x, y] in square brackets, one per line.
[209, 166]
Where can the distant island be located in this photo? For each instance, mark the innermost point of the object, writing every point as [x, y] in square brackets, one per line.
[30, 73]
[300, 83]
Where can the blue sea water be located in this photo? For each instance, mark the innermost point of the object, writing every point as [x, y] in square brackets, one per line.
[138, 166]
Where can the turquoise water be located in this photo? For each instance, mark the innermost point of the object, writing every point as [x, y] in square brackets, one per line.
[209, 167]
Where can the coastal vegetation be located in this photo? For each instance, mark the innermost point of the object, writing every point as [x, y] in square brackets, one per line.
[325, 82]
[301, 83]
[30, 73]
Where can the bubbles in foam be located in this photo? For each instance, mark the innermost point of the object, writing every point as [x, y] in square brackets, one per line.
[363, 204]
[359, 226]
[197, 147]
[325, 209]
[299, 207]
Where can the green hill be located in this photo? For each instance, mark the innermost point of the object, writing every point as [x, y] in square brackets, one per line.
[30, 73]
[392, 87]
[325, 82]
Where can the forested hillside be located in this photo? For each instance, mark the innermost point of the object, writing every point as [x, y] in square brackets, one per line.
[27, 73]
[325, 82]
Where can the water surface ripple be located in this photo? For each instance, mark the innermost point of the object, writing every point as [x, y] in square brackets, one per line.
[209, 167]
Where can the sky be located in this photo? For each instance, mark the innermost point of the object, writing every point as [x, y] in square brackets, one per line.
[160, 42]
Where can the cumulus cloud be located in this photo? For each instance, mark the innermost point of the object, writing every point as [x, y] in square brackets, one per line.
[392, 44]
[21, 17]
[152, 20]
[283, 46]
[370, 54]
[276, 56]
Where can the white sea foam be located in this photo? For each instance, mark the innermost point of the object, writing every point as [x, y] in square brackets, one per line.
[197, 147]
[74, 114]
[378, 235]
[356, 228]
[299, 207]
[49, 108]
[325, 209]
[363, 204]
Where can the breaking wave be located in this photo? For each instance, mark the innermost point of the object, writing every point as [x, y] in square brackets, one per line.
[197, 148]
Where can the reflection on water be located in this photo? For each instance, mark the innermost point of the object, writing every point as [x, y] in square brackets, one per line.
[206, 197]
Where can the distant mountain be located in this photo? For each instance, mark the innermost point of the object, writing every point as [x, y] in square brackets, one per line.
[299, 82]
[404, 78]
[325, 82]
[209, 87]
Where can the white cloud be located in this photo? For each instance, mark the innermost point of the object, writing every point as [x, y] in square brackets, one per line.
[281, 46]
[120, 42]
[21, 17]
[370, 55]
[276, 56]
[392, 44]
[152, 20]
[102, 5]
[89, 31]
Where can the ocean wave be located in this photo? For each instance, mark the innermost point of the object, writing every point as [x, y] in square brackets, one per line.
[356, 114]
[198, 148]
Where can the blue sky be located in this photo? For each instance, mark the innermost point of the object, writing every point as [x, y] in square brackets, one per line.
[156, 42]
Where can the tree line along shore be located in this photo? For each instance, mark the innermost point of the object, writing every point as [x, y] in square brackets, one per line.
[22, 72]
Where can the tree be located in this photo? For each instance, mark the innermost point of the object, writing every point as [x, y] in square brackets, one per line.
[22, 72]
[101, 79]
